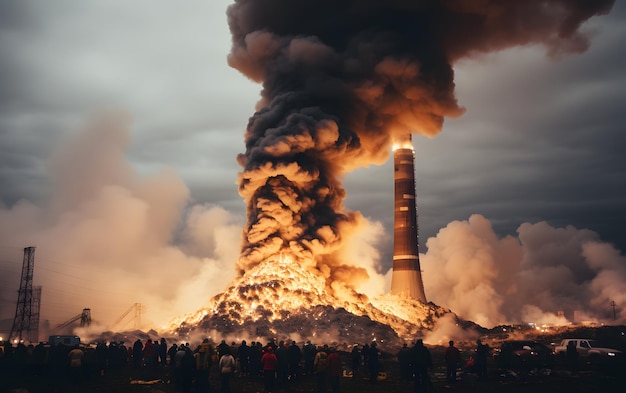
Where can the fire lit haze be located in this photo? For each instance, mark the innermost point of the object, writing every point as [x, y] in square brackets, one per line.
[339, 82]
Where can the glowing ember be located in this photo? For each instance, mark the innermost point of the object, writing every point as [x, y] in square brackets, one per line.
[281, 298]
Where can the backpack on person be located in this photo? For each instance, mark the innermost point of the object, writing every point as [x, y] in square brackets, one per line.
[204, 357]
[227, 364]
[322, 362]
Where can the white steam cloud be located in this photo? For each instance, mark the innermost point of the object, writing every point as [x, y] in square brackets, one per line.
[493, 281]
[110, 238]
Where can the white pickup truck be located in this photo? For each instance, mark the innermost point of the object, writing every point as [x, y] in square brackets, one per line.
[590, 349]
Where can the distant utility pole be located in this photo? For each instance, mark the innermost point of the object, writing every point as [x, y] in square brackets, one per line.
[34, 316]
[26, 321]
[85, 317]
[613, 305]
[138, 311]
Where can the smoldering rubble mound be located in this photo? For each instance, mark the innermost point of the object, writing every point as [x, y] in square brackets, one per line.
[320, 323]
[285, 300]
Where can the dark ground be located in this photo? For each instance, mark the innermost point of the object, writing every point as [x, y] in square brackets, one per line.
[127, 379]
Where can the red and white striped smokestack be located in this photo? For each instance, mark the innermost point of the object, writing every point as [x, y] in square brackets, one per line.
[406, 279]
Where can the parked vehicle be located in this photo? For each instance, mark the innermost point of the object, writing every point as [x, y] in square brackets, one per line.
[524, 355]
[69, 341]
[591, 350]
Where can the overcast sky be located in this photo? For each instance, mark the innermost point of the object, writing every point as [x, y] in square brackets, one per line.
[541, 140]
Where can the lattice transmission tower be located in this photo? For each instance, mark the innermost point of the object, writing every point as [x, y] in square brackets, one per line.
[26, 322]
[34, 318]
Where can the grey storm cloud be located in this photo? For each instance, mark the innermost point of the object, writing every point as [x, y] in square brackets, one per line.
[68, 60]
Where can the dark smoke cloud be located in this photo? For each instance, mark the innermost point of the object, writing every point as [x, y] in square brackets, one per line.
[341, 80]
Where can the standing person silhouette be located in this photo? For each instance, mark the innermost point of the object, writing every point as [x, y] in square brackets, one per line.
[227, 368]
[571, 354]
[355, 356]
[404, 360]
[269, 362]
[334, 369]
[423, 361]
[452, 358]
[482, 350]
[373, 362]
[320, 367]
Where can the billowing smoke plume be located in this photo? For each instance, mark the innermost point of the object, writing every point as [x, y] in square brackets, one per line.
[340, 80]
[529, 278]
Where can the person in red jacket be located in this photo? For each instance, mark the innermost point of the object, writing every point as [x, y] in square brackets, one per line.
[269, 361]
[148, 353]
[334, 369]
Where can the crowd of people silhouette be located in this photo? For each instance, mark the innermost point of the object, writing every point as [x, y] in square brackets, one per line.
[274, 364]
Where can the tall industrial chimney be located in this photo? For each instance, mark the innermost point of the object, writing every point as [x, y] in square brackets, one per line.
[406, 279]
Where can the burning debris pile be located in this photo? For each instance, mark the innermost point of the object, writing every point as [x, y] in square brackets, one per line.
[281, 299]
